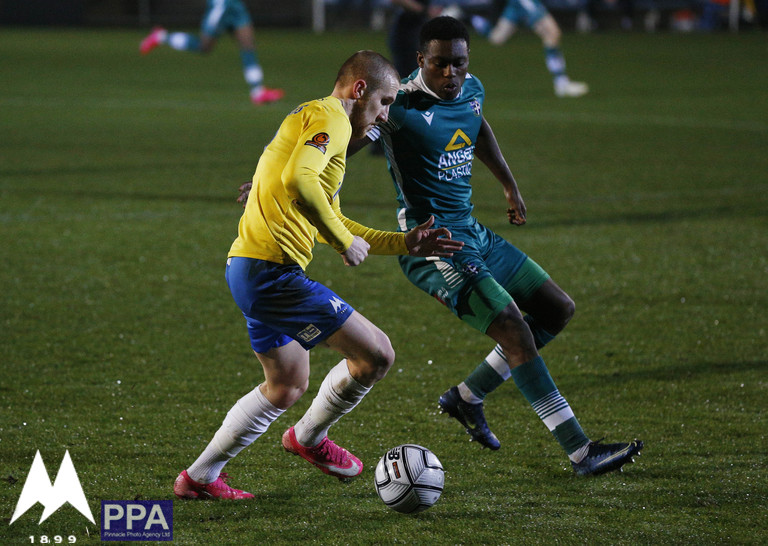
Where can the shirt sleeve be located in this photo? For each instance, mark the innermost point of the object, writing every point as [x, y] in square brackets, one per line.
[322, 140]
[388, 243]
[382, 242]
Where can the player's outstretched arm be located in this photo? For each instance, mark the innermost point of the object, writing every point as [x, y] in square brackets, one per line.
[488, 151]
[423, 241]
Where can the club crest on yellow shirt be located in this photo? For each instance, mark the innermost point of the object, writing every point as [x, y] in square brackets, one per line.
[319, 141]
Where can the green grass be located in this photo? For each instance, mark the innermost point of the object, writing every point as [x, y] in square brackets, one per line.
[647, 202]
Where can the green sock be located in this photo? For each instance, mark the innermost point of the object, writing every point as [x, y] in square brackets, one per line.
[491, 373]
[534, 381]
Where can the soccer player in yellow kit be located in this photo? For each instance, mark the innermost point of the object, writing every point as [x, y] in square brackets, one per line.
[293, 201]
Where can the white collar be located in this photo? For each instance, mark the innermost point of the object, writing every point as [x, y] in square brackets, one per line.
[418, 83]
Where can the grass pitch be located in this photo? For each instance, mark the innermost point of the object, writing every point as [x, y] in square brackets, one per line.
[647, 201]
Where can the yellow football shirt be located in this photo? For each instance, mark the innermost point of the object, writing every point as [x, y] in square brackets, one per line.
[295, 195]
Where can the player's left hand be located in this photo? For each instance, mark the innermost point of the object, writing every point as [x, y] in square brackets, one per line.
[423, 241]
[516, 211]
[245, 191]
[515, 217]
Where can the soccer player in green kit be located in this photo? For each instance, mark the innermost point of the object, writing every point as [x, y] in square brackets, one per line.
[435, 130]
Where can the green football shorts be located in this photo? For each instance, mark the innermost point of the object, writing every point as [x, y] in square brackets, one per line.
[479, 281]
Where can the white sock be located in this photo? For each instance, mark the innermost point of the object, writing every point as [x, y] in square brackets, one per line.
[338, 395]
[578, 455]
[248, 419]
[467, 394]
[179, 41]
[498, 361]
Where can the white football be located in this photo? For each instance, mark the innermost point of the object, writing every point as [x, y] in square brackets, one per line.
[409, 478]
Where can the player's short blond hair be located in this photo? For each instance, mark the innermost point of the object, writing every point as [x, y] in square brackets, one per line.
[367, 65]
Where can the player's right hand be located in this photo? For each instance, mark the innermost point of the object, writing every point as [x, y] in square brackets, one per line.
[245, 191]
[424, 241]
[356, 253]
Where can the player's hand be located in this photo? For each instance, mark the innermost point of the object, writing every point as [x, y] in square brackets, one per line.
[423, 241]
[356, 253]
[516, 211]
[245, 191]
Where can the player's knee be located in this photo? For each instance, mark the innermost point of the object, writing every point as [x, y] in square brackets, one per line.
[380, 359]
[513, 334]
[555, 35]
[552, 308]
[549, 32]
[567, 310]
[284, 395]
[385, 355]
[558, 315]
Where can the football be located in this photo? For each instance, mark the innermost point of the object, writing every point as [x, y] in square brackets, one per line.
[409, 478]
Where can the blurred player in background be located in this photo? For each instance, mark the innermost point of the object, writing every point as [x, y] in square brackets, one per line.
[221, 16]
[403, 39]
[533, 14]
[294, 200]
[435, 129]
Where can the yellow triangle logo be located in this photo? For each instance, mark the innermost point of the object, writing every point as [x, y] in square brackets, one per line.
[458, 141]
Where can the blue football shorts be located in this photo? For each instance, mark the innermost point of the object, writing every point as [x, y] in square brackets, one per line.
[221, 15]
[481, 279]
[280, 303]
[529, 12]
